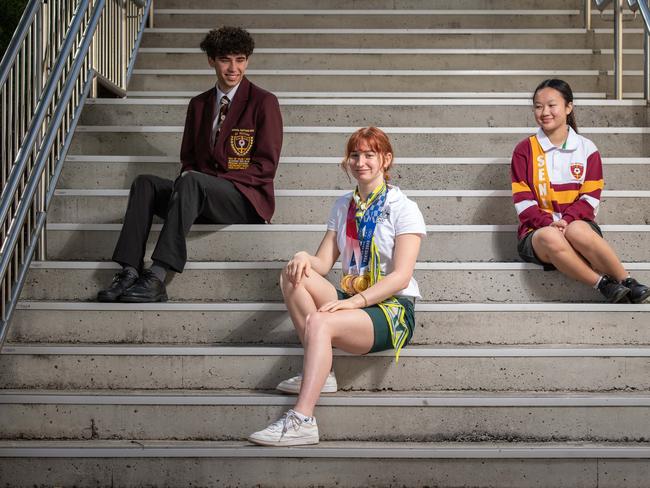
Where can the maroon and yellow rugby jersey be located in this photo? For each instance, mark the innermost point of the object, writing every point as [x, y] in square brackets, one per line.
[550, 183]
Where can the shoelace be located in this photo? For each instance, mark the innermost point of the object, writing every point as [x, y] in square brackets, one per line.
[287, 421]
[121, 275]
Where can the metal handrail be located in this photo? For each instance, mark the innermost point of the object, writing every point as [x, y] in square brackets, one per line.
[618, 41]
[41, 98]
[642, 6]
[17, 40]
[634, 5]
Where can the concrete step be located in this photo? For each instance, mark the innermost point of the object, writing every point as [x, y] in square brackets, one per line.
[372, 4]
[431, 97]
[502, 368]
[95, 242]
[392, 17]
[330, 140]
[269, 323]
[375, 19]
[382, 58]
[423, 417]
[136, 463]
[388, 79]
[379, 111]
[507, 38]
[439, 207]
[251, 281]
[324, 173]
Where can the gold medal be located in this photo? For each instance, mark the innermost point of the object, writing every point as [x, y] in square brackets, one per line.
[346, 284]
[360, 283]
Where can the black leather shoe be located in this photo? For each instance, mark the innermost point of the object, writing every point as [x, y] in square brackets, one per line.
[612, 289]
[148, 288]
[638, 292]
[121, 281]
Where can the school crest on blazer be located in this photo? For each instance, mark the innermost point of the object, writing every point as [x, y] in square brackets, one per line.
[241, 141]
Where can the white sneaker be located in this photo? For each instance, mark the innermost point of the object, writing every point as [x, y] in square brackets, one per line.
[292, 385]
[288, 430]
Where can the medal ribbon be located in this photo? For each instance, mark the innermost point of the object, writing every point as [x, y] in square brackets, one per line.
[360, 228]
[361, 223]
[541, 180]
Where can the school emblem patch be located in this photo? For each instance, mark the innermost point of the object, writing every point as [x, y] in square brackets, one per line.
[241, 143]
[577, 170]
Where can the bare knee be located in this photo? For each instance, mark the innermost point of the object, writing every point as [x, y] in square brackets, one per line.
[283, 280]
[317, 325]
[286, 285]
[549, 240]
[579, 233]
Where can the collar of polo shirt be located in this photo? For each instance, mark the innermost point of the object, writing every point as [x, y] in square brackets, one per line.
[571, 141]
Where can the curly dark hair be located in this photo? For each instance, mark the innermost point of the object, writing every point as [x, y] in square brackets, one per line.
[227, 40]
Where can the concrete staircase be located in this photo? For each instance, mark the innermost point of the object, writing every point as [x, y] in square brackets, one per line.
[517, 377]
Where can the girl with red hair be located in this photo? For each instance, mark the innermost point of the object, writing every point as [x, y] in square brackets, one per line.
[376, 230]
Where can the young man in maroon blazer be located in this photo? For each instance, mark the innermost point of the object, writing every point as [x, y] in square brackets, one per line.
[229, 156]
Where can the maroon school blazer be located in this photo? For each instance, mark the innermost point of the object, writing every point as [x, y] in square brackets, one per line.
[247, 150]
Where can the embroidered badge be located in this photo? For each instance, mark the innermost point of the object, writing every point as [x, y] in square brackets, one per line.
[241, 141]
[238, 163]
[577, 170]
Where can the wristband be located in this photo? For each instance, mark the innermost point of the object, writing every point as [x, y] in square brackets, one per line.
[364, 299]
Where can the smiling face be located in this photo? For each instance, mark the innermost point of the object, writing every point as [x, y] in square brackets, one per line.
[366, 165]
[230, 70]
[551, 110]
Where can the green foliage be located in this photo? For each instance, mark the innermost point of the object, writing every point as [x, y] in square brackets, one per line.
[10, 13]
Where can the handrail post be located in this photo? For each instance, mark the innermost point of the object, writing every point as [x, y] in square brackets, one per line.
[587, 15]
[646, 60]
[618, 49]
[646, 67]
[150, 16]
[124, 32]
[41, 247]
[93, 53]
[42, 72]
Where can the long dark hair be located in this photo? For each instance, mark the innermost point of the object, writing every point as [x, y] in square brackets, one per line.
[566, 92]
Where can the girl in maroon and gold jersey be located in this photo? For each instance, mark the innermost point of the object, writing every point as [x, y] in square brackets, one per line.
[557, 179]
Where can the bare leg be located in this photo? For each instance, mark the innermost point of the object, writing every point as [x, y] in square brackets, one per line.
[551, 246]
[304, 299]
[350, 330]
[595, 249]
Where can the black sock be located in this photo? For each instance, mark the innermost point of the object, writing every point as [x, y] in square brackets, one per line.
[159, 270]
[130, 269]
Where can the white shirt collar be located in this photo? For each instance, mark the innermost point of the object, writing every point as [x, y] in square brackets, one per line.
[571, 141]
[230, 94]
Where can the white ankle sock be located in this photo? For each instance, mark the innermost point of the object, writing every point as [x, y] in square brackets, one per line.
[598, 282]
[302, 417]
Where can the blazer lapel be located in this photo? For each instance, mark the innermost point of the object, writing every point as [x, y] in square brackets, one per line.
[205, 122]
